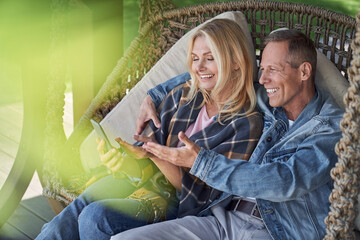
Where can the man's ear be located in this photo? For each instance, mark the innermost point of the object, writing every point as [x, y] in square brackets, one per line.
[306, 71]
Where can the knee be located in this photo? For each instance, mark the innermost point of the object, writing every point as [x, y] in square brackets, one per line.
[93, 222]
[91, 215]
[100, 221]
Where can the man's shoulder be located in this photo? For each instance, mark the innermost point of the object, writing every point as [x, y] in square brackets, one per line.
[329, 108]
[325, 115]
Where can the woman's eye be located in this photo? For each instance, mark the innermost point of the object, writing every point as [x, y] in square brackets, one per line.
[210, 57]
[195, 59]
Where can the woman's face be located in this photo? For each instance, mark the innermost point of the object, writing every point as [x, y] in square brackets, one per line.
[203, 64]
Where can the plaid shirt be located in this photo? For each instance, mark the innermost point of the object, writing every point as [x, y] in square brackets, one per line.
[235, 138]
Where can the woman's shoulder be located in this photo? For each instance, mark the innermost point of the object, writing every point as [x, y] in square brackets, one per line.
[184, 87]
[252, 119]
[248, 112]
[178, 94]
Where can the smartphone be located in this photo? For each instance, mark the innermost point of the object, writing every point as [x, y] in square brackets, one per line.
[100, 132]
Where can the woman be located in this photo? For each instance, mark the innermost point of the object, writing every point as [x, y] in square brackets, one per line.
[215, 108]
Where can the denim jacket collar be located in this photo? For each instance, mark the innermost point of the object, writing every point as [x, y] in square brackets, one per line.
[278, 113]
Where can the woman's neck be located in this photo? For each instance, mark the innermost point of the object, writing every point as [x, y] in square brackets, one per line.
[212, 108]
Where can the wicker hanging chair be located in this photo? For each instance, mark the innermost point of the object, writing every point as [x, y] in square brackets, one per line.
[161, 26]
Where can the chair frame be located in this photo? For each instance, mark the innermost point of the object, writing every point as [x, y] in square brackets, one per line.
[333, 34]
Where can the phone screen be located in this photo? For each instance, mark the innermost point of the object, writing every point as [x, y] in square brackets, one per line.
[101, 134]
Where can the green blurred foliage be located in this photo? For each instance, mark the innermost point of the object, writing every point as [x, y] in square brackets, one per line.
[24, 45]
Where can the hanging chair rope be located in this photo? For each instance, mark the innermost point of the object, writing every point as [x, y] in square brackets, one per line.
[340, 222]
[54, 131]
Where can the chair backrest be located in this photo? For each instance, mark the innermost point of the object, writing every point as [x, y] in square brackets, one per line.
[332, 34]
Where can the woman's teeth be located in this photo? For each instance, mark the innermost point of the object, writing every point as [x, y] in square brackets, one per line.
[207, 76]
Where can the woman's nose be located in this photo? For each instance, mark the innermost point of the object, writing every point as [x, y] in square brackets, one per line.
[201, 65]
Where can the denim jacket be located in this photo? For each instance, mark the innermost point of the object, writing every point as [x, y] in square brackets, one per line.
[288, 172]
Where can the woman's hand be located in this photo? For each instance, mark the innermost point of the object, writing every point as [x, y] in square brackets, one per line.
[147, 112]
[133, 151]
[111, 159]
[171, 172]
[182, 157]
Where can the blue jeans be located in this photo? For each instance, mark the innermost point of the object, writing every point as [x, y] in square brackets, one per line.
[98, 213]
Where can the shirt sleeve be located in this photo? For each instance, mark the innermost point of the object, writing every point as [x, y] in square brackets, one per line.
[307, 168]
[159, 92]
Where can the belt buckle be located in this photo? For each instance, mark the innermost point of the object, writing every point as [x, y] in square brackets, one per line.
[254, 210]
[237, 204]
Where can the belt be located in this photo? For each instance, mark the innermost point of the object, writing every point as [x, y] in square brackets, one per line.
[244, 206]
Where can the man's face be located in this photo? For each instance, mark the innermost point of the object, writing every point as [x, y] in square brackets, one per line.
[283, 83]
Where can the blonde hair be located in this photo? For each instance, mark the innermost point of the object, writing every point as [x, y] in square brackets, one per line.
[228, 46]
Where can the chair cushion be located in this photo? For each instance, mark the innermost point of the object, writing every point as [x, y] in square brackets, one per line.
[121, 120]
[329, 78]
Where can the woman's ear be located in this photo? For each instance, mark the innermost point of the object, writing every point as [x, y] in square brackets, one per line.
[306, 71]
[236, 66]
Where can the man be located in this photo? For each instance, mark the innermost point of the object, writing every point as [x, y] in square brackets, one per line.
[282, 191]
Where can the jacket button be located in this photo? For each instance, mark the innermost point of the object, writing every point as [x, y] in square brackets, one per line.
[268, 139]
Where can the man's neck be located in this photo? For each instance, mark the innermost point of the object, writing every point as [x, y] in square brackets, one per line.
[292, 112]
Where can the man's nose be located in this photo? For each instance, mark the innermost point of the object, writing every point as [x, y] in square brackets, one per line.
[263, 77]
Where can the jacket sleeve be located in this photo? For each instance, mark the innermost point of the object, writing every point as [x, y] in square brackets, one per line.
[300, 172]
[159, 92]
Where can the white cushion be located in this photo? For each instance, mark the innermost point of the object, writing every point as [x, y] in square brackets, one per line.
[120, 122]
[329, 78]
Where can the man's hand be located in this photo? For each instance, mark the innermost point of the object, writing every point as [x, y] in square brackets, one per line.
[147, 112]
[183, 156]
[111, 159]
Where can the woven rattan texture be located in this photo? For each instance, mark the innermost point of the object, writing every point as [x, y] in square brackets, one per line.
[331, 32]
[150, 8]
